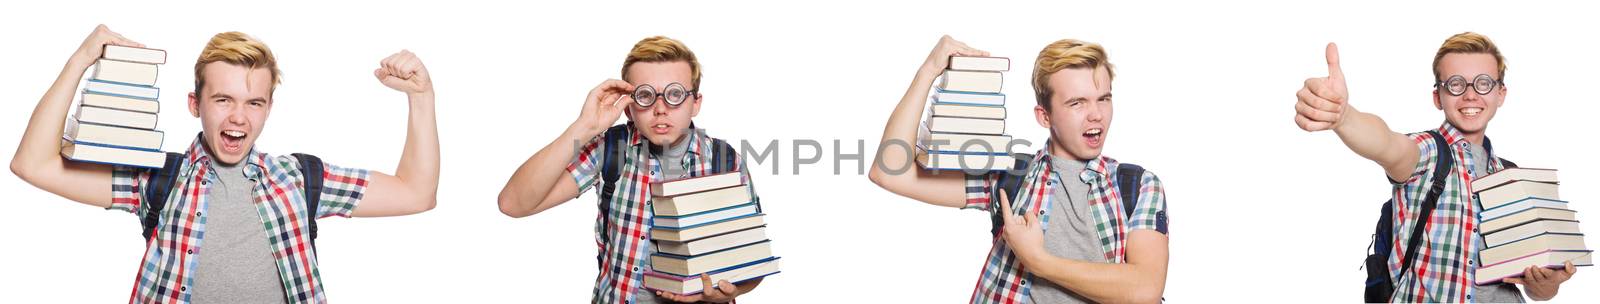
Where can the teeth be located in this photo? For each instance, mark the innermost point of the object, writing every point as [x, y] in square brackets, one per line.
[1471, 111]
[233, 133]
[663, 126]
[1093, 132]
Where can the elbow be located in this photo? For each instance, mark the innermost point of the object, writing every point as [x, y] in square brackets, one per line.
[21, 169]
[509, 205]
[1145, 295]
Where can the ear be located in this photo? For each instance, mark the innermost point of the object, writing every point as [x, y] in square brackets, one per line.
[694, 108]
[194, 105]
[1502, 91]
[1042, 115]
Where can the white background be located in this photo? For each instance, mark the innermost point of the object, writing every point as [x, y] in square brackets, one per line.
[1261, 211]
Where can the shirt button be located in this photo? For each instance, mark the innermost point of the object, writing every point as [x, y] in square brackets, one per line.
[191, 251]
[197, 213]
[183, 288]
[635, 268]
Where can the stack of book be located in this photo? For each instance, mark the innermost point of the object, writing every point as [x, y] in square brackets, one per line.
[965, 128]
[116, 119]
[707, 225]
[1525, 224]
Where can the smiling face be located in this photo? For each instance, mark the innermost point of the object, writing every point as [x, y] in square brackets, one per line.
[1078, 112]
[662, 124]
[1471, 111]
[232, 105]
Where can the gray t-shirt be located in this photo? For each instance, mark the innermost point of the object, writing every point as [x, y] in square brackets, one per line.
[235, 264]
[672, 167]
[1493, 293]
[1071, 233]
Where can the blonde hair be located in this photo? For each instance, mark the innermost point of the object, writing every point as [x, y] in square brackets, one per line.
[663, 49]
[1469, 43]
[238, 49]
[1066, 54]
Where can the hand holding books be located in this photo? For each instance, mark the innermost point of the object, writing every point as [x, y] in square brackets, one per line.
[939, 58]
[94, 46]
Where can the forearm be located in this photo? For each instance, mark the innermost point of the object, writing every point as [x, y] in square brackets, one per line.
[537, 177]
[40, 146]
[1102, 282]
[419, 162]
[1370, 137]
[900, 132]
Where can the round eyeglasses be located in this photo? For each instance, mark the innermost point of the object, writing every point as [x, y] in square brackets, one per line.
[1457, 85]
[645, 95]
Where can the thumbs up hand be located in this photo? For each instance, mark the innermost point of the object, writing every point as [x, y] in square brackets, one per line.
[1322, 101]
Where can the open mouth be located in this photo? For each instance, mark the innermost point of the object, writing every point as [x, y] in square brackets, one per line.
[661, 128]
[233, 141]
[1470, 112]
[1094, 137]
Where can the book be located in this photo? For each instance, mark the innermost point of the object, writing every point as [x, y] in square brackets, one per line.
[692, 265]
[966, 125]
[92, 153]
[971, 81]
[714, 243]
[1529, 229]
[115, 117]
[119, 89]
[707, 230]
[120, 102]
[1549, 259]
[955, 142]
[142, 139]
[974, 63]
[690, 285]
[969, 98]
[702, 218]
[1491, 224]
[701, 201]
[968, 111]
[1515, 174]
[696, 184]
[134, 54]
[962, 161]
[1519, 205]
[1516, 190]
[1530, 245]
[134, 73]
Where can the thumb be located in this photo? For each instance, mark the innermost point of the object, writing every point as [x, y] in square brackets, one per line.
[1333, 62]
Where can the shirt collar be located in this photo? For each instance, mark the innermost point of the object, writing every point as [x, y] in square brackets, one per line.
[1454, 137]
[197, 156]
[1097, 167]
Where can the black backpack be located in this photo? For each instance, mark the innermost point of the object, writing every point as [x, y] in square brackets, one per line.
[1380, 285]
[610, 167]
[1128, 178]
[155, 194]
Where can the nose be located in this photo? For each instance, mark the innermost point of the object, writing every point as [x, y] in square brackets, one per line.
[1096, 112]
[660, 107]
[236, 116]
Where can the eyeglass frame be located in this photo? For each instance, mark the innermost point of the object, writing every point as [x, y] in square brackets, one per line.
[1474, 84]
[661, 95]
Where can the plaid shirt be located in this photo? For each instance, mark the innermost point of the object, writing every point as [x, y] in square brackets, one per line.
[1004, 280]
[1446, 264]
[623, 225]
[168, 268]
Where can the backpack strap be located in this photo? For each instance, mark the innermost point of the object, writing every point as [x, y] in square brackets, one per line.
[616, 141]
[311, 173]
[1129, 177]
[157, 192]
[1435, 188]
[1011, 183]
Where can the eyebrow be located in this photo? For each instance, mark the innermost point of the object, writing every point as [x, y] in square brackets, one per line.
[224, 95]
[1070, 100]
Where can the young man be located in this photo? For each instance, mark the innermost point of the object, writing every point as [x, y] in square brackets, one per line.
[659, 92]
[1469, 75]
[1074, 242]
[235, 228]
